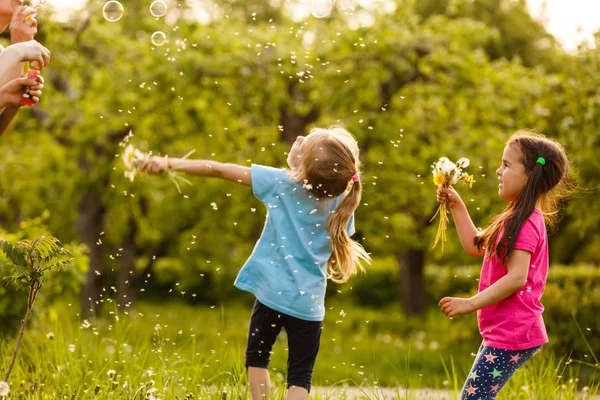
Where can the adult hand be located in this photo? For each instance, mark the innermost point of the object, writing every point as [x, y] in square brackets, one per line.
[23, 25]
[12, 91]
[32, 51]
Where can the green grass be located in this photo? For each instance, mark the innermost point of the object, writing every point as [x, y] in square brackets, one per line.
[173, 350]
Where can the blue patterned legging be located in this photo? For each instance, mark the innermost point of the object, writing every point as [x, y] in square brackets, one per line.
[491, 370]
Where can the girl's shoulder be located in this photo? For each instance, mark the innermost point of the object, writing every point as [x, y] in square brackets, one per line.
[534, 228]
[537, 218]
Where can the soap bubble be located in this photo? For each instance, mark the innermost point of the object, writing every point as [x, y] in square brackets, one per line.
[158, 8]
[158, 38]
[321, 8]
[112, 11]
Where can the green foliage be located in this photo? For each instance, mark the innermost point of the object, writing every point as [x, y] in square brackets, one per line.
[13, 304]
[162, 346]
[27, 262]
[572, 289]
[32, 261]
[420, 82]
[425, 79]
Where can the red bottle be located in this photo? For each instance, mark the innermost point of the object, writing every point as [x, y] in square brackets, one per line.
[27, 99]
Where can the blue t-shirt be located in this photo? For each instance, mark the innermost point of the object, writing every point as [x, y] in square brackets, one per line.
[287, 270]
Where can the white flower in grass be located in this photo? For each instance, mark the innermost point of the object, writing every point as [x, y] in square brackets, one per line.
[111, 373]
[50, 335]
[72, 348]
[4, 388]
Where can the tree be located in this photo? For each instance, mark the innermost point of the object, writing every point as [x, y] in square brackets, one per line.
[411, 84]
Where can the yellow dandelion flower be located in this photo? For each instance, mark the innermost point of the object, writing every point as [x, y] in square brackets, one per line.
[470, 181]
[439, 179]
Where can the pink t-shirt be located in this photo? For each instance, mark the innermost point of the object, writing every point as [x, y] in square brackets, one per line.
[516, 322]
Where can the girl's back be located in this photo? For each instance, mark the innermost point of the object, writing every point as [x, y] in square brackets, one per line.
[287, 269]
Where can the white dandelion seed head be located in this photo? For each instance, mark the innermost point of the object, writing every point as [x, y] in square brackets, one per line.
[128, 156]
[111, 373]
[130, 174]
[448, 167]
[463, 162]
[139, 156]
[50, 335]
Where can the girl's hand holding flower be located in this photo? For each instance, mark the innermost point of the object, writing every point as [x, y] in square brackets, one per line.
[449, 196]
[137, 162]
[445, 174]
[155, 165]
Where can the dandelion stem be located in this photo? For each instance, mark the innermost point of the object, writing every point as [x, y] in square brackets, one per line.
[33, 291]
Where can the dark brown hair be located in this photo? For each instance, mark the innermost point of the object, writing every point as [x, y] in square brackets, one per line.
[547, 183]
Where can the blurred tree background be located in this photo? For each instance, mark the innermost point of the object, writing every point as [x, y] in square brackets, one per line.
[238, 80]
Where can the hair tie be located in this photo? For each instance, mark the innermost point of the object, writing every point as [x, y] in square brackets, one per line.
[355, 177]
[541, 160]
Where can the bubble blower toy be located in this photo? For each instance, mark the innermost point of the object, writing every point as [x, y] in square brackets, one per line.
[32, 73]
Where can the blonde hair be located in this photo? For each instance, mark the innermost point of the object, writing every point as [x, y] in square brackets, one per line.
[330, 160]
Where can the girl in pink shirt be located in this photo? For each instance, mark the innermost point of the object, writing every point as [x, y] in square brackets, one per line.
[534, 174]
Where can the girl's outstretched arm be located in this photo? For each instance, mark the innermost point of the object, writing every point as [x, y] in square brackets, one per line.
[208, 168]
[515, 279]
[464, 225]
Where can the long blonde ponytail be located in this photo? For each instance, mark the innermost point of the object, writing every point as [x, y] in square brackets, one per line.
[346, 259]
[329, 163]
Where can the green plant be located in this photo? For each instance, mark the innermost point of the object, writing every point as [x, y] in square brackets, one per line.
[30, 262]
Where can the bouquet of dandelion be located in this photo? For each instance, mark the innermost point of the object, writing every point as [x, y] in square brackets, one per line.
[133, 159]
[445, 174]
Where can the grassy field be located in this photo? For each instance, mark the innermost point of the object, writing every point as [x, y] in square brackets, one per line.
[174, 350]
